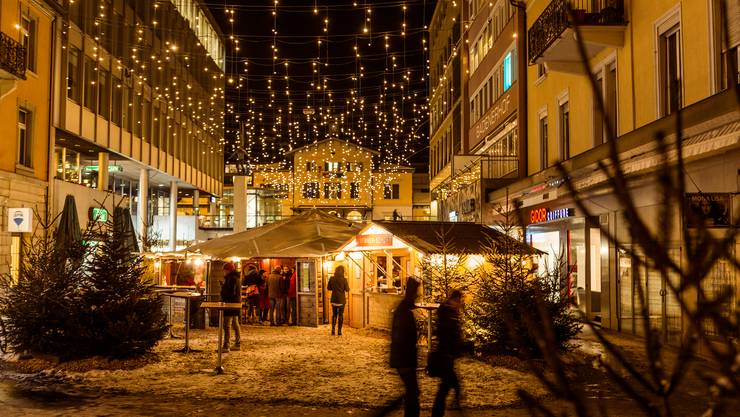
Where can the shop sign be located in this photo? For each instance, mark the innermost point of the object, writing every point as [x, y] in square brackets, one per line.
[543, 214]
[375, 240]
[97, 214]
[708, 209]
[20, 220]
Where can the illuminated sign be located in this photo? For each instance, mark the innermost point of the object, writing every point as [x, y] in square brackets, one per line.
[375, 240]
[543, 214]
[98, 214]
[20, 220]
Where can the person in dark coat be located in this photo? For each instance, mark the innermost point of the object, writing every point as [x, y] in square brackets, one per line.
[338, 286]
[449, 347]
[231, 292]
[252, 280]
[403, 349]
[274, 281]
[292, 293]
[264, 296]
[284, 287]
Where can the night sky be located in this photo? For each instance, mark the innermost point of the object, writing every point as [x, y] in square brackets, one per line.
[377, 99]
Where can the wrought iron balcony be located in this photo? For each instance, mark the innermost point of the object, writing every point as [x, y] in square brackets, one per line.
[555, 20]
[12, 58]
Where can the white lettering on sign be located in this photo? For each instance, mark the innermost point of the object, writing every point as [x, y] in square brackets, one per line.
[492, 118]
[559, 214]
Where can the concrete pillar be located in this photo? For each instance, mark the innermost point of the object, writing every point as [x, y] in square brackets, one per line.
[173, 216]
[142, 211]
[103, 171]
[240, 203]
[196, 202]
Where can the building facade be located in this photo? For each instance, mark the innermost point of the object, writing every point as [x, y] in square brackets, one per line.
[139, 120]
[333, 175]
[648, 60]
[26, 68]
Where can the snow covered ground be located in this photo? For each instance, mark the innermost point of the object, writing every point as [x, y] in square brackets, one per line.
[296, 365]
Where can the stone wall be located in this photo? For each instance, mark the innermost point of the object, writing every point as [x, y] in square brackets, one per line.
[17, 191]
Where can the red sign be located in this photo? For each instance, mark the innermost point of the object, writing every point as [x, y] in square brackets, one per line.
[374, 240]
[545, 215]
[538, 215]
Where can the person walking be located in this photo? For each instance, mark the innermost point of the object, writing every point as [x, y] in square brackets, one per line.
[338, 286]
[231, 292]
[253, 280]
[403, 352]
[284, 287]
[273, 289]
[264, 296]
[292, 297]
[448, 348]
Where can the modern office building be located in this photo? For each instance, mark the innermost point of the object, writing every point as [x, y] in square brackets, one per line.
[649, 59]
[139, 120]
[26, 69]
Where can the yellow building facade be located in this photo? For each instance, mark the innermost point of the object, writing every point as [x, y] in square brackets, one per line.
[334, 175]
[26, 66]
[647, 59]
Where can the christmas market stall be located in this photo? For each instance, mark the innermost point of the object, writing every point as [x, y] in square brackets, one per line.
[384, 254]
[303, 242]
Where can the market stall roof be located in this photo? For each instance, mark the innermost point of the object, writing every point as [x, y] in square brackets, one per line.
[311, 233]
[438, 237]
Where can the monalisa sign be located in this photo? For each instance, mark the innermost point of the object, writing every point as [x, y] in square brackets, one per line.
[543, 214]
[375, 240]
[504, 106]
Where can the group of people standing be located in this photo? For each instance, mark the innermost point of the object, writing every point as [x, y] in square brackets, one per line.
[271, 297]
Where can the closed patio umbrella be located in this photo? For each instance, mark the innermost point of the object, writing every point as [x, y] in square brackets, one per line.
[68, 229]
[122, 223]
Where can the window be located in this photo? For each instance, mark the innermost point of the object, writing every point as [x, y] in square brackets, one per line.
[543, 141]
[354, 190]
[354, 166]
[331, 166]
[392, 192]
[332, 190]
[73, 74]
[117, 113]
[541, 70]
[310, 166]
[669, 56]
[564, 113]
[104, 94]
[91, 88]
[606, 79]
[127, 108]
[24, 138]
[28, 32]
[508, 72]
[311, 190]
[137, 115]
[146, 120]
[157, 129]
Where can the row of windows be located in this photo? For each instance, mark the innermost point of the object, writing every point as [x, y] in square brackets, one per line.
[333, 166]
[500, 15]
[333, 190]
[500, 80]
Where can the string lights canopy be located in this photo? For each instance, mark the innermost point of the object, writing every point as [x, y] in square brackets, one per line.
[303, 71]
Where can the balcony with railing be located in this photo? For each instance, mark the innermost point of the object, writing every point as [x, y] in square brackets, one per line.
[552, 39]
[12, 59]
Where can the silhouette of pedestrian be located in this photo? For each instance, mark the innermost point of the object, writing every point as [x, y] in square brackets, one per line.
[403, 352]
[448, 348]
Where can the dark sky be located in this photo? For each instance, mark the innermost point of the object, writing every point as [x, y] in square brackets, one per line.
[377, 99]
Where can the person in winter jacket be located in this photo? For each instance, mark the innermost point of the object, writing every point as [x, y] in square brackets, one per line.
[292, 297]
[284, 286]
[274, 281]
[252, 280]
[338, 286]
[449, 347]
[403, 348]
[264, 296]
[231, 292]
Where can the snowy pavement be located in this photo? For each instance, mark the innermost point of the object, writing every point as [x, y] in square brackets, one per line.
[297, 366]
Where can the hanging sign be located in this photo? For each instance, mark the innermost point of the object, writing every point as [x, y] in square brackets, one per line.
[375, 240]
[20, 220]
[708, 209]
[543, 214]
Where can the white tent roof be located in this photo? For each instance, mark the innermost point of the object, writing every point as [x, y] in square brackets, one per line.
[312, 233]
